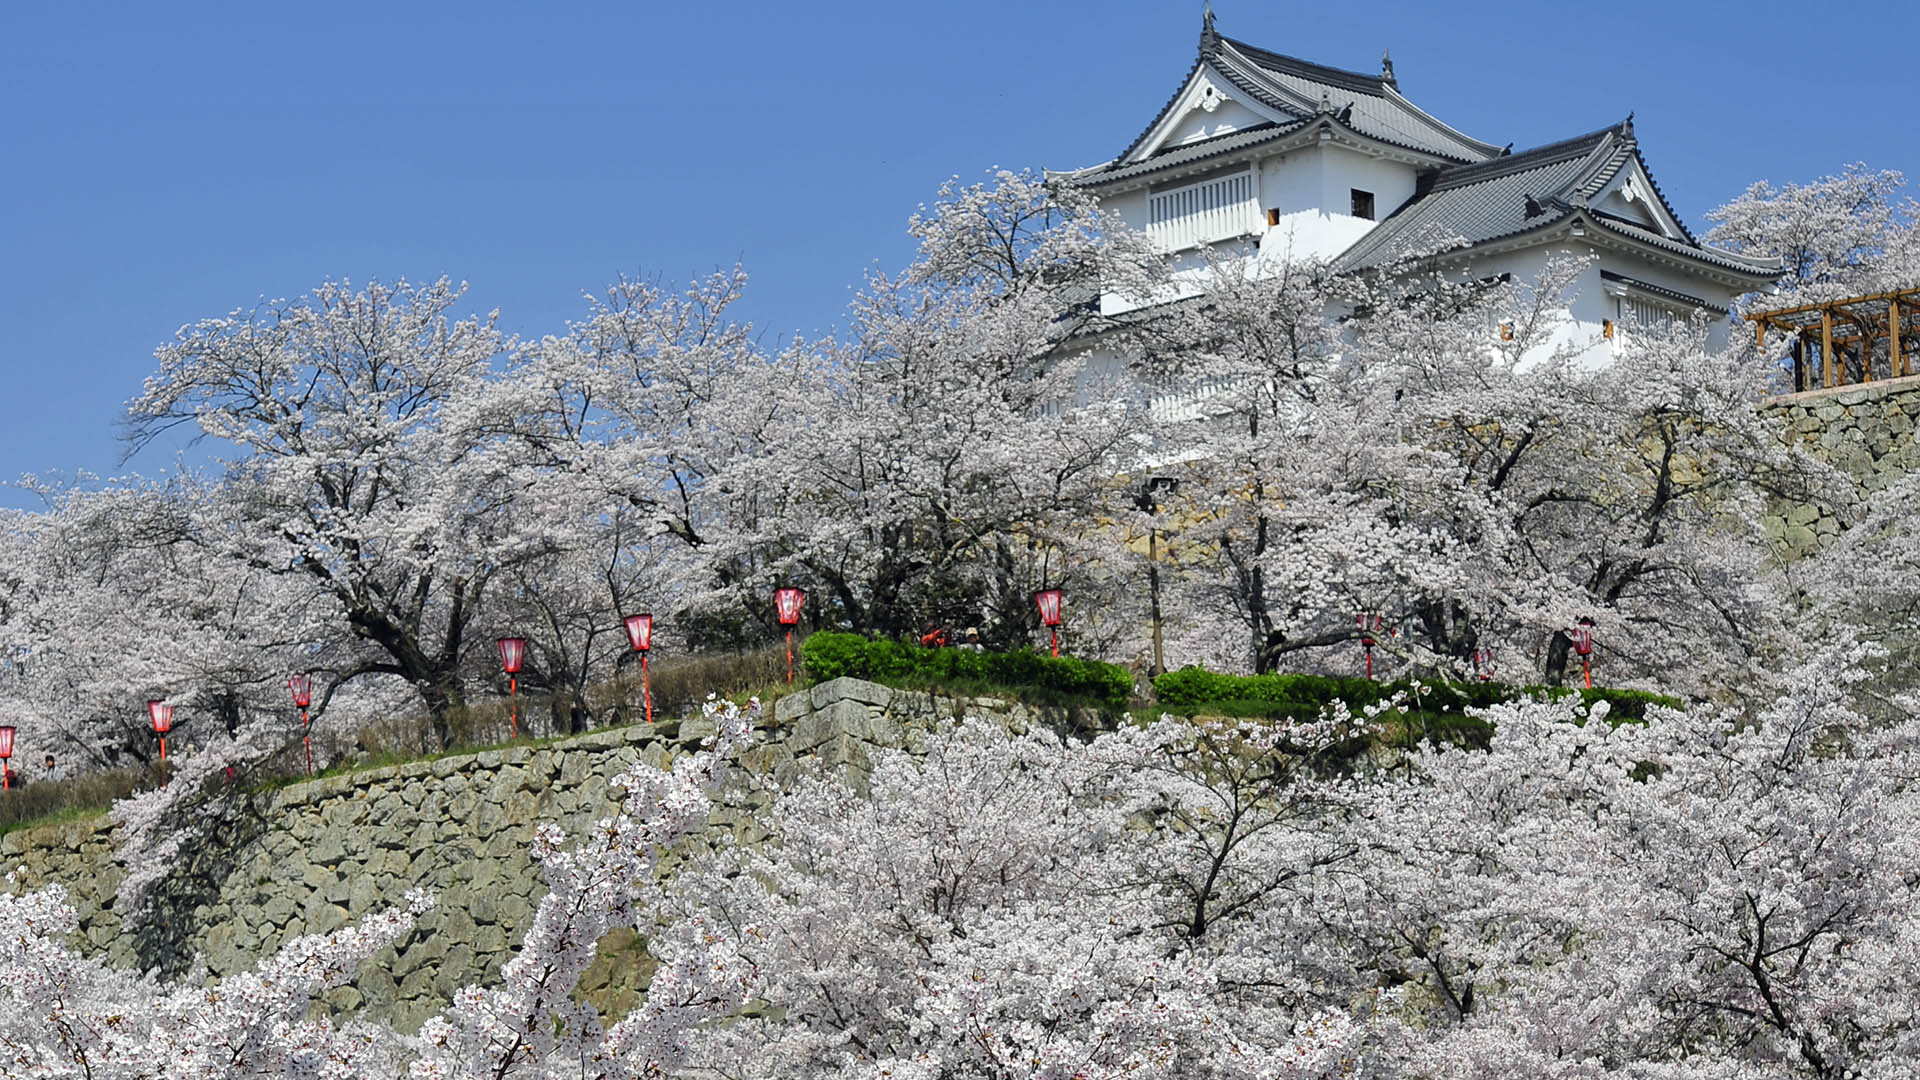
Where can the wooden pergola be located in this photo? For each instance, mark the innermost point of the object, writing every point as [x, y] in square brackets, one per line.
[1840, 340]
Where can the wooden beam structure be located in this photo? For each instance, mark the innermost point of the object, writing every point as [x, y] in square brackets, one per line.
[1865, 321]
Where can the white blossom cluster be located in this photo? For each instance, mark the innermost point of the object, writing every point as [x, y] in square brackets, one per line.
[1708, 893]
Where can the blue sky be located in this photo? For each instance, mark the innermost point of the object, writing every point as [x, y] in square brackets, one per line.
[165, 163]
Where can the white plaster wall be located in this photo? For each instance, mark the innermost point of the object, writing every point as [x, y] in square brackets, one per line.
[1671, 277]
[1229, 116]
[1313, 190]
[1129, 206]
[1588, 307]
[1290, 182]
[1343, 170]
[1311, 234]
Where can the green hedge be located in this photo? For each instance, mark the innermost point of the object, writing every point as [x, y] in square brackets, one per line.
[829, 655]
[1301, 697]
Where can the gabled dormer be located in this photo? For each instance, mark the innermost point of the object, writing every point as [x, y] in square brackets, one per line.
[1254, 141]
[1207, 107]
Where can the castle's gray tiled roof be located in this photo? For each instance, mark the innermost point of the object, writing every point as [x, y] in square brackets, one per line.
[1744, 264]
[1300, 91]
[1303, 89]
[1488, 201]
[1185, 155]
[1474, 192]
[1477, 203]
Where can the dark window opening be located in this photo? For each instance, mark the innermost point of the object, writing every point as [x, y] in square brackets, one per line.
[1363, 204]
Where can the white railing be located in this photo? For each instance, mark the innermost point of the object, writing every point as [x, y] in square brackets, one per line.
[1202, 213]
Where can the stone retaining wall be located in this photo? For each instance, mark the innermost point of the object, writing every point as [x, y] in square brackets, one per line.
[318, 854]
[1866, 431]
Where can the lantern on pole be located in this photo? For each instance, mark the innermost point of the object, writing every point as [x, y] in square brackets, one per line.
[786, 605]
[1048, 601]
[1582, 637]
[640, 634]
[513, 653]
[161, 714]
[301, 686]
[1370, 625]
[1483, 664]
[6, 756]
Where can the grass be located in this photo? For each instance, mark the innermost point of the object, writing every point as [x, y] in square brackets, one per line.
[679, 687]
[47, 802]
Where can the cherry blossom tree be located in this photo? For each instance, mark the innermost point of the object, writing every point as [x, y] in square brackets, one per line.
[63, 1015]
[959, 436]
[368, 464]
[1840, 235]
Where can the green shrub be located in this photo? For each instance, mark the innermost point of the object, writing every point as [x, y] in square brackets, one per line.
[1443, 706]
[830, 655]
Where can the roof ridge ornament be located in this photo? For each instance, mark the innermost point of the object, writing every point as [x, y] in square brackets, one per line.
[1626, 127]
[1386, 69]
[1208, 35]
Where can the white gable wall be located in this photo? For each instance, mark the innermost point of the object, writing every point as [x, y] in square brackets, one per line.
[1226, 117]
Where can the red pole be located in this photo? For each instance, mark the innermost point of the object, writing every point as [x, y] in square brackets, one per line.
[1056, 642]
[163, 761]
[646, 687]
[6, 778]
[789, 657]
[1586, 664]
[1369, 653]
[306, 736]
[513, 707]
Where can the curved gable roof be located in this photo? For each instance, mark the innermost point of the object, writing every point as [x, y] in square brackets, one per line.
[1520, 193]
[1299, 89]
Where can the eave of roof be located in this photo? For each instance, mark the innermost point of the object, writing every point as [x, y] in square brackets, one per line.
[1760, 270]
[1254, 71]
[1662, 291]
[1486, 202]
[1206, 150]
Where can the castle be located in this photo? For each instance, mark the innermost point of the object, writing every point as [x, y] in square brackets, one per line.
[1266, 157]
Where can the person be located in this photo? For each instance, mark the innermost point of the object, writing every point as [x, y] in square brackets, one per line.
[933, 637]
[49, 768]
[973, 640]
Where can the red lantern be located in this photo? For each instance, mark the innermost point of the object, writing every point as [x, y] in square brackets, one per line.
[302, 687]
[786, 605]
[161, 714]
[640, 634]
[6, 752]
[1370, 624]
[1582, 636]
[513, 653]
[1048, 601]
